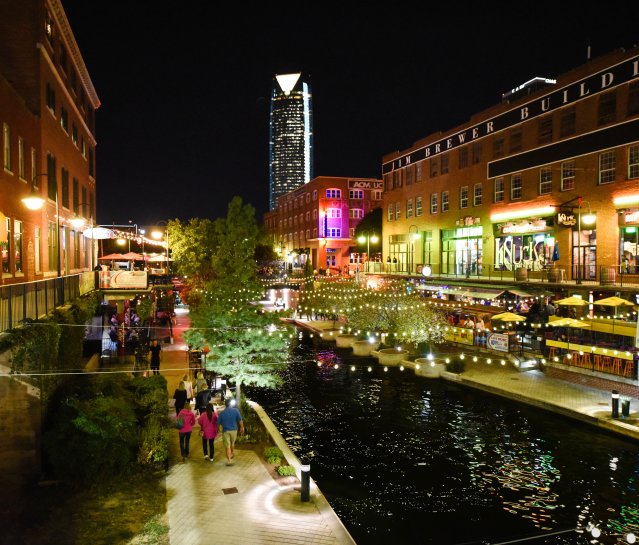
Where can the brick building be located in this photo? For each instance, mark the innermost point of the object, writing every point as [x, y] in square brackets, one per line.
[47, 116]
[318, 220]
[517, 185]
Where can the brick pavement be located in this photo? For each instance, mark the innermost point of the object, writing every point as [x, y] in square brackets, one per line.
[210, 502]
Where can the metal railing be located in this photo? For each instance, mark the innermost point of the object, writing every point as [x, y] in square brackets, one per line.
[32, 300]
[618, 276]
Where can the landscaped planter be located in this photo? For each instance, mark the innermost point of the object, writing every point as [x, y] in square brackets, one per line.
[392, 356]
[345, 341]
[428, 368]
[364, 348]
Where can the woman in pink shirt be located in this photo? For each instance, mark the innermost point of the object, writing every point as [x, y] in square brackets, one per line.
[188, 416]
[208, 423]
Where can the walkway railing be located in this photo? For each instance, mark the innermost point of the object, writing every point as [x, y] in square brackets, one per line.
[31, 300]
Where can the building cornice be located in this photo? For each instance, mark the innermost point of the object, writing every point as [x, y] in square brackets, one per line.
[64, 27]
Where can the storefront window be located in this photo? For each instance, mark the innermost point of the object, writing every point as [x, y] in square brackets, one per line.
[629, 259]
[17, 244]
[462, 251]
[584, 254]
[522, 251]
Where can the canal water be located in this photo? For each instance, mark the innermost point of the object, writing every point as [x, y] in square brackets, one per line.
[403, 459]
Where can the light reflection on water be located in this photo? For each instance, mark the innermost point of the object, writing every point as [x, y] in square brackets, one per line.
[419, 461]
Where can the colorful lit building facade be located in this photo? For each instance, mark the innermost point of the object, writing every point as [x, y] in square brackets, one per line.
[516, 186]
[317, 222]
[47, 115]
[290, 135]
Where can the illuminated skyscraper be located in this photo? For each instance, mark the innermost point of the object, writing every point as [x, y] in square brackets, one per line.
[290, 136]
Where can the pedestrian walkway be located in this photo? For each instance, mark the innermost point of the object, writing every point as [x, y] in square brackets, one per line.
[210, 502]
[563, 396]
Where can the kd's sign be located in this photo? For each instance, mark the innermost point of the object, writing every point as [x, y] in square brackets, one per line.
[566, 219]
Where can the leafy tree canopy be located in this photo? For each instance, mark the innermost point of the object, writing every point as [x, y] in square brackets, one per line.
[192, 247]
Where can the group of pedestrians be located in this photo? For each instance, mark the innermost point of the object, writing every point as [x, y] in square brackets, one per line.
[229, 421]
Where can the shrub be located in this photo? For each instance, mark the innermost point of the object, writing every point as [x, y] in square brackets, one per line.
[286, 471]
[272, 451]
[154, 442]
[275, 460]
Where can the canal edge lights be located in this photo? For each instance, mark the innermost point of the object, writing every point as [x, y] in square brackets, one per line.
[595, 532]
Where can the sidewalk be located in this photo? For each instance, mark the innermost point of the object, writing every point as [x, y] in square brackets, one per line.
[210, 502]
[567, 397]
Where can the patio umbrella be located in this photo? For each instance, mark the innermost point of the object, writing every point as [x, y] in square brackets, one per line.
[132, 256]
[572, 301]
[569, 322]
[508, 317]
[614, 302]
[113, 257]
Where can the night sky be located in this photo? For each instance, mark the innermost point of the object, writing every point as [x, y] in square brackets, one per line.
[184, 86]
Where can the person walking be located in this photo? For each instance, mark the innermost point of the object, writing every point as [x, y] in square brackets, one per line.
[201, 383]
[203, 399]
[155, 350]
[230, 420]
[180, 397]
[208, 427]
[188, 418]
[189, 387]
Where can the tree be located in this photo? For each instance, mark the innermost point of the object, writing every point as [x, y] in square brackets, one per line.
[370, 223]
[192, 247]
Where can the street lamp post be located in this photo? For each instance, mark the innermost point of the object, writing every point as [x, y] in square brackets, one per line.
[368, 238]
[35, 202]
[412, 237]
[588, 219]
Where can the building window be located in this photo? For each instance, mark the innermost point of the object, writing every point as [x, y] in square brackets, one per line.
[74, 134]
[418, 207]
[545, 130]
[498, 148]
[389, 215]
[409, 208]
[515, 187]
[418, 174]
[397, 178]
[355, 194]
[567, 122]
[607, 162]
[308, 216]
[433, 167]
[633, 162]
[334, 213]
[398, 210]
[52, 191]
[50, 98]
[64, 119]
[567, 175]
[333, 193]
[308, 234]
[377, 195]
[478, 195]
[308, 198]
[445, 201]
[91, 163]
[314, 213]
[76, 197]
[21, 160]
[356, 213]
[499, 190]
[48, 26]
[33, 167]
[315, 195]
[38, 254]
[434, 204]
[476, 153]
[334, 232]
[633, 98]
[545, 181]
[410, 175]
[75, 240]
[463, 157]
[444, 164]
[516, 140]
[607, 111]
[6, 146]
[65, 188]
[463, 197]
[5, 247]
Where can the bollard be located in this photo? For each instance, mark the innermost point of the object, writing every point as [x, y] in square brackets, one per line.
[305, 466]
[615, 404]
[625, 407]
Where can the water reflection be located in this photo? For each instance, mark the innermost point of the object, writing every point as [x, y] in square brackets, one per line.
[421, 461]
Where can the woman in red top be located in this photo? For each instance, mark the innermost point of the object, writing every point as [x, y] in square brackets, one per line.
[208, 423]
[188, 416]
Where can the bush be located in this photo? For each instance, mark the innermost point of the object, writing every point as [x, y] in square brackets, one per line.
[455, 366]
[154, 442]
[286, 471]
[272, 451]
[275, 460]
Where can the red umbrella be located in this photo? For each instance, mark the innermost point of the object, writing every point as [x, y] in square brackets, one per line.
[113, 256]
[132, 256]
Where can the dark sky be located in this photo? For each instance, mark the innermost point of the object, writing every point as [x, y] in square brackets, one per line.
[184, 86]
